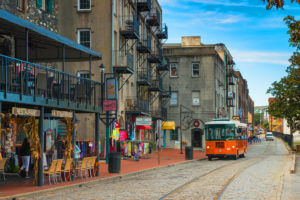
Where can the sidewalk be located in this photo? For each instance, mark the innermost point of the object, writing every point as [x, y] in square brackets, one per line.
[167, 157]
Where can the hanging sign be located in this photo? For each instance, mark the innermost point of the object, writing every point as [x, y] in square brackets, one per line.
[143, 121]
[25, 112]
[62, 114]
[110, 105]
[236, 118]
[111, 88]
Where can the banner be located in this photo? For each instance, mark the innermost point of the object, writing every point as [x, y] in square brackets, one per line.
[111, 88]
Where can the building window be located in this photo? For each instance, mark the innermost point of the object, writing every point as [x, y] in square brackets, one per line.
[196, 98]
[84, 74]
[115, 6]
[174, 98]
[45, 5]
[84, 37]
[195, 70]
[174, 134]
[20, 5]
[173, 70]
[84, 5]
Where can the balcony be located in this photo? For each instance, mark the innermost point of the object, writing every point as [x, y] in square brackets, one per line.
[156, 85]
[29, 83]
[123, 62]
[136, 107]
[144, 77]
[131, 29]
[162, 32]
[164, 66]
[230, 80]
[143, 5]
[230, 103]
[156, 56]
[153, 18]
[144, 46]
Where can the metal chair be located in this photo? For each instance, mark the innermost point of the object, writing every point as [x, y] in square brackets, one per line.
[2, 167]
[51, 171]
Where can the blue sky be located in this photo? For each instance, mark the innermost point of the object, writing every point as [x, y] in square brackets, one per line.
[256, 37]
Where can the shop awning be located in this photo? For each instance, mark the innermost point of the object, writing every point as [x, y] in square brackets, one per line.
[44, 45]
[168, 125]
[145, 127]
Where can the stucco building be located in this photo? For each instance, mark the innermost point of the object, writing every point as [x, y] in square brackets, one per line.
[129, 34]
[198, 80]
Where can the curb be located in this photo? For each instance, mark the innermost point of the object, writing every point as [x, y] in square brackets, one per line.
[292, 170]
[112, 178]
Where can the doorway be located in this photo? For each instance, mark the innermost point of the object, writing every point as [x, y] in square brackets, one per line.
[197, 137]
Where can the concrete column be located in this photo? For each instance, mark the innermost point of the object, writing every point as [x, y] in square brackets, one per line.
[41, 136]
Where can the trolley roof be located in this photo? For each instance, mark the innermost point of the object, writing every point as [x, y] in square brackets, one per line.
[226, 122]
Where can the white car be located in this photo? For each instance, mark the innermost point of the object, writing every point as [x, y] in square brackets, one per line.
[269, 136]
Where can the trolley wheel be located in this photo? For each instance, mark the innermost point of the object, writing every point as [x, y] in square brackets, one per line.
[209, 158]
[242, 155]
[235, 157]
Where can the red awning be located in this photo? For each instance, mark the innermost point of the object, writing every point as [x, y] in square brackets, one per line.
[144, 127]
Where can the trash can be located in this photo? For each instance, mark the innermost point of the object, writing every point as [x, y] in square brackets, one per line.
[114, 162]
[189, 153]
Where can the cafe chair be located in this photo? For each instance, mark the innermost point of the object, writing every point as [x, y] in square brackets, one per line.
[51, 171]
[58, 170]
[83, 167]
[67, 168]
[2, 166]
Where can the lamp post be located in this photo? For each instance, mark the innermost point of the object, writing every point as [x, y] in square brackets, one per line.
[107, 112]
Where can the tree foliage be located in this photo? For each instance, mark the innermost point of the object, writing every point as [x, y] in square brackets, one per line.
[278, 3]
[286, 92]
[259, 118]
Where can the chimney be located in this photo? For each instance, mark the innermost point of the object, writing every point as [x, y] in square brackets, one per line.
[191, 41]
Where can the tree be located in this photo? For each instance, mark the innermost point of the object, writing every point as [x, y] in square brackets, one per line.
[259, 118]
[278, 3]
[286, 92]
[266, 125]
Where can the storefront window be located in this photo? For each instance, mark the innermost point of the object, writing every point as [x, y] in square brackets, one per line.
[174, 134]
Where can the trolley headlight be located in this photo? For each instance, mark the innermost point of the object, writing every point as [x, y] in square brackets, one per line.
[233, 147]
[207, 147]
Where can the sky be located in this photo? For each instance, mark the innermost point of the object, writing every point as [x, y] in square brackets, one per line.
[257, 38]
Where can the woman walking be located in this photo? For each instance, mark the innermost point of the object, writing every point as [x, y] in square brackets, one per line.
[25, 153]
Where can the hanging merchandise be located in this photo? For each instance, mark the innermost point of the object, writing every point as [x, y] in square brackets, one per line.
[123, 135]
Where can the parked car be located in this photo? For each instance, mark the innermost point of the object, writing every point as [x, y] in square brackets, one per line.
[269, 136]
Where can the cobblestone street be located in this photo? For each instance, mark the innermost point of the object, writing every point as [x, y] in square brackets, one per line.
[258, 176]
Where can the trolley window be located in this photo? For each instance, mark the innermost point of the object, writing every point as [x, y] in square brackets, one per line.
[220, 133]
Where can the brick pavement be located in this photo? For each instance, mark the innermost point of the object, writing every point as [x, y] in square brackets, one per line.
[167, 157]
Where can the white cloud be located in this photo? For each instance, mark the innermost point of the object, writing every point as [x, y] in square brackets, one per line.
[280, 58]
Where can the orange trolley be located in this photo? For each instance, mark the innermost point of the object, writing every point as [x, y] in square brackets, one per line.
[225, 138]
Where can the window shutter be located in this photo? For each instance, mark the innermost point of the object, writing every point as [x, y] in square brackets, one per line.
[39, 3]
[49, 6]
[176, 133]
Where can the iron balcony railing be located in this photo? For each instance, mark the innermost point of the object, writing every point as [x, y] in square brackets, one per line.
[162, 32]
[144, 46]
[144, 76]
[153, 18]
[156, 56]
[143, 5]
[29, 79]
[131, 28]
[164, 66]
[132, 105]
[123, 60]
[156, 84]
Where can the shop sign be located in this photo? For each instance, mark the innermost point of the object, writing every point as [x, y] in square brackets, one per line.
[111, 88]
[25, 112]
[236, 118]
[110, 105]
[62, 114]
[143, 121]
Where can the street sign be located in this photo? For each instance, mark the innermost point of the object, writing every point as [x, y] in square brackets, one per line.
[59, 113]
[110, 105]
[143, 121]
[111, 88]
[25, 112]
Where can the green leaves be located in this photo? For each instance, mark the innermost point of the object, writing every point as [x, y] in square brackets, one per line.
[286, 92]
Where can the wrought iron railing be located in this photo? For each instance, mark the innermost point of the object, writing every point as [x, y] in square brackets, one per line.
[123, 59]
[29, 79]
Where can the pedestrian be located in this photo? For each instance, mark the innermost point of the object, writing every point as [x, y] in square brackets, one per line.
[25, 153]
